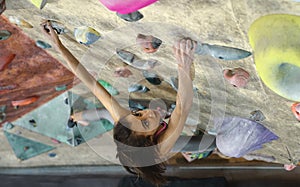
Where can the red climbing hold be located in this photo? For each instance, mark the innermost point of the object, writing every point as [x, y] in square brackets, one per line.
[238, 77]
[5, 60]
[296, 110]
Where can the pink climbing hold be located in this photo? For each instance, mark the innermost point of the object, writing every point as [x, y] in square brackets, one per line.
[238, 77]
[296, 110]
[126, 6]
[289, 167]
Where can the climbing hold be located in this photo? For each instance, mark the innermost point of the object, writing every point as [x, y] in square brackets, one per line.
[55, 141]
[86, 35]
[134, 105]
[52, 155]
[237, 136]
[108, 87]
[289, 167]
[71, 123]
[24, 102]
[2, 116]
[2, 6]
[122, 72]
[238, 77]
[131, 17]
[138, 88]
[174, 83]
[4, 34]
[125, 7]
[32, 122]
[19, 22]
[131, 59]
[277, 54]
[25, 148]
[60, 88]
[5, 60]
[125, 56]
[8, 126]
[152, 78]
[145, 64]
[149, 43]
[257, 115]
[57, 26]
[221, 52]
[39, 3]
[296, 110]
[42, 44]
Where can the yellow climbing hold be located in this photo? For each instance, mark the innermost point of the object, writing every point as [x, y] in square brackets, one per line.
[86, 35]
[275, 41]
[39, 3]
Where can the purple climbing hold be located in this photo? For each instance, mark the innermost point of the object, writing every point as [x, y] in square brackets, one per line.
[237, 136]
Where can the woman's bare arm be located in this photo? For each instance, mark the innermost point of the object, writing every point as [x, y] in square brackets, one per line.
[114, 108]
[184, 53]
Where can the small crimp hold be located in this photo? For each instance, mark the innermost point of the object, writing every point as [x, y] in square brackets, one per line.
[296, 110]
[257, 115]
[138, 88]
[131, 17]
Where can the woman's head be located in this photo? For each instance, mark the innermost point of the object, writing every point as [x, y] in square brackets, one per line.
[136, 146]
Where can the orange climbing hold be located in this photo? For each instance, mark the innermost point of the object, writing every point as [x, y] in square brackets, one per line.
[5, 60]
[24, 102]
[296, 110]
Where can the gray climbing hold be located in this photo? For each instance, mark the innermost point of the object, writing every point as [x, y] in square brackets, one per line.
[42, 44]
[133, 105]
[138, 88]
[152, 78]
[221, 52]
[125, 56]
[174, 83]
[257, 115]
[131, 17]
[4, 34]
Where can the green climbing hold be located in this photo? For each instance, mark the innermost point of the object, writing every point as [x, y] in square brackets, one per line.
[108, 87]
[60, 88]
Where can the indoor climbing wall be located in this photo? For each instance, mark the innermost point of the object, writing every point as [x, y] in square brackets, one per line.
[132, 55]
[29, 75]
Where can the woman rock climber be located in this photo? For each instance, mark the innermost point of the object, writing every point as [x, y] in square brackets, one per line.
[143, 140]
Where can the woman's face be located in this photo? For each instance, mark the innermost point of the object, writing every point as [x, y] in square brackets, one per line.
[144, 122]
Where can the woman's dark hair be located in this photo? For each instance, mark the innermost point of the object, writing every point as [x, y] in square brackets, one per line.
[134, 158]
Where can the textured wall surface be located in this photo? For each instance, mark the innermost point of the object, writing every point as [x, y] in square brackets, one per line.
[209, 21]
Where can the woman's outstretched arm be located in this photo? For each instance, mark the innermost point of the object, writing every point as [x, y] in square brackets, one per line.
[114, 108]
[184, 53]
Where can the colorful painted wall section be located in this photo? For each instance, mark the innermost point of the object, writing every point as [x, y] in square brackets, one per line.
[30, 77]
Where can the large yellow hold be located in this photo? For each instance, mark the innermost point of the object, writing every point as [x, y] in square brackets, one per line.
[39, 3]
[275, 40]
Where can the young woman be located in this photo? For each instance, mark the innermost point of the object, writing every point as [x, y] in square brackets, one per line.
[143, 139]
